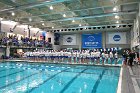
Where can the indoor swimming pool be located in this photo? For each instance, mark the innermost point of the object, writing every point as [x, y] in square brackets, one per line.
[21, 77]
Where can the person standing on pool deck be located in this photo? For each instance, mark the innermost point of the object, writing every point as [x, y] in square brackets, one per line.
[98, 54]
[74, 56]
[103, 57]
[116, 57]
[111, 57]
[88, 57]
[106, 57]
[131, 57]
[124, 57]
[93, 56]
[78, 56]
[69, 56]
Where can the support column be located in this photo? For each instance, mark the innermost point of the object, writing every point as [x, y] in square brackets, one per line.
[139, 28]
[8, 51]
[104, 39]
[0, 26]
[139, 9]
[79, 40]
[29, 31]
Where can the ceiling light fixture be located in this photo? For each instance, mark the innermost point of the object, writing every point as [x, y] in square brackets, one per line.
[80, 25]
[30, 19]
[118, 26]
[52, 27]
[117, 21]
[1, 19]
[115, 9]
[48, 1]
[13, 14]
[117, 17]
[51, 7]
[64, 15]
[43, 24]
[73, 21]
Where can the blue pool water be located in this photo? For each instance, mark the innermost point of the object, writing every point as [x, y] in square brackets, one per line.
[55, 78]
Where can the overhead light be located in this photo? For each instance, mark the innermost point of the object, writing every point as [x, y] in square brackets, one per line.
[80, 25]
[73, 21]
[64, 15]
[51, 7]
[52, 27]
[13, 14]
[1, 19]
[117, 21]
[30, 19]
[43, 24]
[115, 9]
[48, 1]
[117, 17]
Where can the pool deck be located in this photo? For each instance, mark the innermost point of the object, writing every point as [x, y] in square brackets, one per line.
[130, 79]
[65, 63]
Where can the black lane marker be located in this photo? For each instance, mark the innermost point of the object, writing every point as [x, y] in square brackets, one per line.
[11, 74]
[94, 89]
[6, 69]
[72, 80]
[47, 80]
[20, 80]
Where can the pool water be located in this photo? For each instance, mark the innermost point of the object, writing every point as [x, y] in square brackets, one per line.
[21, 77]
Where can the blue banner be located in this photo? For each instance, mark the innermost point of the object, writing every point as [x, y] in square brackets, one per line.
[92, 40]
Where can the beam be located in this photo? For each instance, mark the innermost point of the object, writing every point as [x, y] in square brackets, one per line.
[86, 17]
[77, 10]
[92, 26]
[91, 23]
[27, 6]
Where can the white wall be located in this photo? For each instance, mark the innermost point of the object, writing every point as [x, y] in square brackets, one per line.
[20, 29]
[104, 40]
[135, 33]
[50, 35]
[78, 40]
[126, 45]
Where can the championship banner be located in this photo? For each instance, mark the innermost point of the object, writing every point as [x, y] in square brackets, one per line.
[92, 40]
[69, 39]
[117, 38]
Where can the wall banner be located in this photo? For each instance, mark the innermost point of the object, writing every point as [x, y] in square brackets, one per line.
[69, 39]
[117, 38]
[92, 40]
